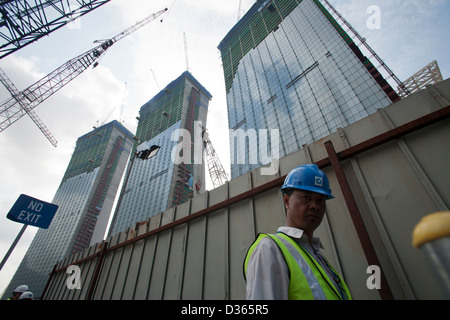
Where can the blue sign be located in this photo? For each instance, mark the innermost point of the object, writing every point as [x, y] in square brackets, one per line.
[33, 212]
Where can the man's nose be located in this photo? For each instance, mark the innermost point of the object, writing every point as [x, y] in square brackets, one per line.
[315, 204]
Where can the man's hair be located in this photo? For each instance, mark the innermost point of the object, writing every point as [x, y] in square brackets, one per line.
[288, 192]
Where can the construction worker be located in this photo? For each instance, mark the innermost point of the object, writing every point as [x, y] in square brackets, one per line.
[18, 292]
[289, 265]
[28, 295]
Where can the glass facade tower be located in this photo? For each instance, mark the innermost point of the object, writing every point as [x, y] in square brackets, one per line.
[174, 120]
[289, 66]
[85, 198]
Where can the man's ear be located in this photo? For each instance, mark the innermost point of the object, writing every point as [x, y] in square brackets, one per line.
[286, 201]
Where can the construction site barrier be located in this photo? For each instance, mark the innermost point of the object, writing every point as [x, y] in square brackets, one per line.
[387, 172]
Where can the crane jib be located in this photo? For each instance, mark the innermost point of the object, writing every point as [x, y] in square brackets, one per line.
[14, 108]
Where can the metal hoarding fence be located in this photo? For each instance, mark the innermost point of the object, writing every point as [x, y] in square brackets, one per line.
[386, 171]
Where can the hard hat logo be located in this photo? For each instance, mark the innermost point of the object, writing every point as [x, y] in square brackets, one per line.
[318, 181]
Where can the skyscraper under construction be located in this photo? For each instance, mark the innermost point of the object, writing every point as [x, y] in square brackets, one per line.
[290, 66]
[85, 198]
[173, 120]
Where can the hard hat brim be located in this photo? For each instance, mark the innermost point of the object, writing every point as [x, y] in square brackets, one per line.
[328, 195]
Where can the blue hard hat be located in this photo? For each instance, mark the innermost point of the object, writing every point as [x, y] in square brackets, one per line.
[309, 178]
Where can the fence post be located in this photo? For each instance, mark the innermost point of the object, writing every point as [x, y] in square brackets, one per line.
[363, 235]
[98, 267]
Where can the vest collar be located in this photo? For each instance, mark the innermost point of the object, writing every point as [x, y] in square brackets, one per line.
[299, 235]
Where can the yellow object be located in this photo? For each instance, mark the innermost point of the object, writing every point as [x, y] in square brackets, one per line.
[432, 227]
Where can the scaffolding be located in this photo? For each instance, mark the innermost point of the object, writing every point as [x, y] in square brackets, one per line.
[183, 190]
[428, 75]
[87, 226]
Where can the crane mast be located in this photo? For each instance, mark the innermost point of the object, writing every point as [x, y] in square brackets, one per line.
[239, 10]
[186, 52]
[216, 170]
[12, 110]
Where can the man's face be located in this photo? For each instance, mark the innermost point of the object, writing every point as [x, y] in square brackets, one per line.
[16, 295]
[305, 210]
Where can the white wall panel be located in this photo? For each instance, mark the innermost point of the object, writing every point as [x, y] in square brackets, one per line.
[394, 184]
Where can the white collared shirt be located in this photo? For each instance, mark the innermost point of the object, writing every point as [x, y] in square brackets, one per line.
[267, 272]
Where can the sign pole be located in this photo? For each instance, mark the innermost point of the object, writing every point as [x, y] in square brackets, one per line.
[29, 211]
[13, 245]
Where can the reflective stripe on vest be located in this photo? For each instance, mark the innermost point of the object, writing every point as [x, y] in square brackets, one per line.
[308, 280]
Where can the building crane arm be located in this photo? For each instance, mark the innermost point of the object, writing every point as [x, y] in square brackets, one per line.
[369, 48]
[23, 22]
[16, 96]
[216, 171]
[11, 110]
[138, 25]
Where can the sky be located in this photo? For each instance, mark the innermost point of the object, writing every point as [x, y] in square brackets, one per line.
[406, 34]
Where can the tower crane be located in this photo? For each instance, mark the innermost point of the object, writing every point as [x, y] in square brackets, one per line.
[123, 103]
[239, 10]
[186, 52]
[23, 21]
[369, 48]
[154, 77]
[216, 170]
[12, 109]
[98, 124]
[16, 95]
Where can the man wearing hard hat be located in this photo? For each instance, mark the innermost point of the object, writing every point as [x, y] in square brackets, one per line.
[288, 264]
[28, 295]
[18, 292]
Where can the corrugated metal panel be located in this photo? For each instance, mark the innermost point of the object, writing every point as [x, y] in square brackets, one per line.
[196, 250]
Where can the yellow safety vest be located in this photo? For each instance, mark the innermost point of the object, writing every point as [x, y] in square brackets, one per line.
[308, 280]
